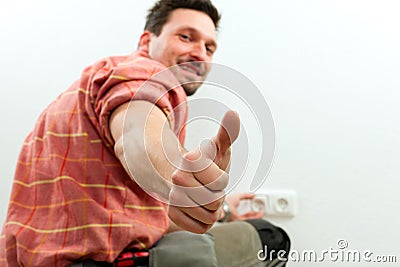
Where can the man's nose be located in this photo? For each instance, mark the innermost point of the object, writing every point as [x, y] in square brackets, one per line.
[199, 52]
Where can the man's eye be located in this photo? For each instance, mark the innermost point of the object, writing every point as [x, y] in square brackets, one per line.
[185, 37]
[210, 50]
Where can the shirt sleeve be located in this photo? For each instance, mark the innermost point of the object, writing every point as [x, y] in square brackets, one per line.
[115, 83]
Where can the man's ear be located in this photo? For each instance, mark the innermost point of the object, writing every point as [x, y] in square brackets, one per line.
[144, 41]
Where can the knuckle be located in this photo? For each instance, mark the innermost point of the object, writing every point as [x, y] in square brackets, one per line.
[176, 198]
[214, 217]
[202, 228]
[215, 205]
[176, 177]
[210, 218]
[220, 183]
[180, 178]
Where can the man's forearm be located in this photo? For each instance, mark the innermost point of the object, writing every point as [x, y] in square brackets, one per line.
[146, 145]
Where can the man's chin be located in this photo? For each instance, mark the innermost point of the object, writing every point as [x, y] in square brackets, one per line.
[189, 81]
[191, 87]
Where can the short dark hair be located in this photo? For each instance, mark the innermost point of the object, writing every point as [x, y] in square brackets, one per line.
[159, 14]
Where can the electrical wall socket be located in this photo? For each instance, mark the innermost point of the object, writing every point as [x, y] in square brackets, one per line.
[277, 202]
[282, 203]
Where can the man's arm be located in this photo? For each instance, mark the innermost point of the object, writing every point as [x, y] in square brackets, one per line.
[143, 130]
[192, 183]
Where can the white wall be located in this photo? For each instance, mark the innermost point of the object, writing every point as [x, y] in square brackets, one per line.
[328, 69]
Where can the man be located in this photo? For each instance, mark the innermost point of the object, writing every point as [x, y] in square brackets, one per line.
[93, 175]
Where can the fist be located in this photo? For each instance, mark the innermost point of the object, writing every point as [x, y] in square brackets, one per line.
[199, 182]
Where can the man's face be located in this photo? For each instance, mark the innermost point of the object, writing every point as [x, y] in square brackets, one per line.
[187, 37]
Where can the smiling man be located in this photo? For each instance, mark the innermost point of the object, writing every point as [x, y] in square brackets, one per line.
[104, 177]
[188, 36]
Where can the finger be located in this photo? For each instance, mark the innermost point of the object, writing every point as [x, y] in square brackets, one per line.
[251, 215]
[202, 215]
[213, 177]
[199, 158]
[205, 171]
[199, 193]
[215, 205]
[192, 209]
[228, 131]
[184, 221]
[194, 215]
[246, 196]
[178, 198]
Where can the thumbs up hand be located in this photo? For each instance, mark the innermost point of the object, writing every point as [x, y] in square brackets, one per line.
[199, 182]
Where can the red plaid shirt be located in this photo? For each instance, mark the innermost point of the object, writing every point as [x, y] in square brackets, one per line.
[71, 197]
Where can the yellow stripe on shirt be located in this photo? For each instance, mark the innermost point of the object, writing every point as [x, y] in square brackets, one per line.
[143, 207]
[118, 77]
[51, 181]
[70, 229]
[41, 139]
[77, 90]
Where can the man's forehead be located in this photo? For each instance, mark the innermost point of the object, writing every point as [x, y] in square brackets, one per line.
[193, 20]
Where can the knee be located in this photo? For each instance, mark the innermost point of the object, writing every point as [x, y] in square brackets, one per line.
[184, 249]
[272, 237]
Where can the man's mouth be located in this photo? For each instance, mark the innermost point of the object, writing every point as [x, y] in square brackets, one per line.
[193, 67]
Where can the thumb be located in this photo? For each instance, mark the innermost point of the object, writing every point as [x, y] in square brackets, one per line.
[228, 131]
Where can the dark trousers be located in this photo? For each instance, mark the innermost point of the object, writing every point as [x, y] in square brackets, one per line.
[235, 244]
